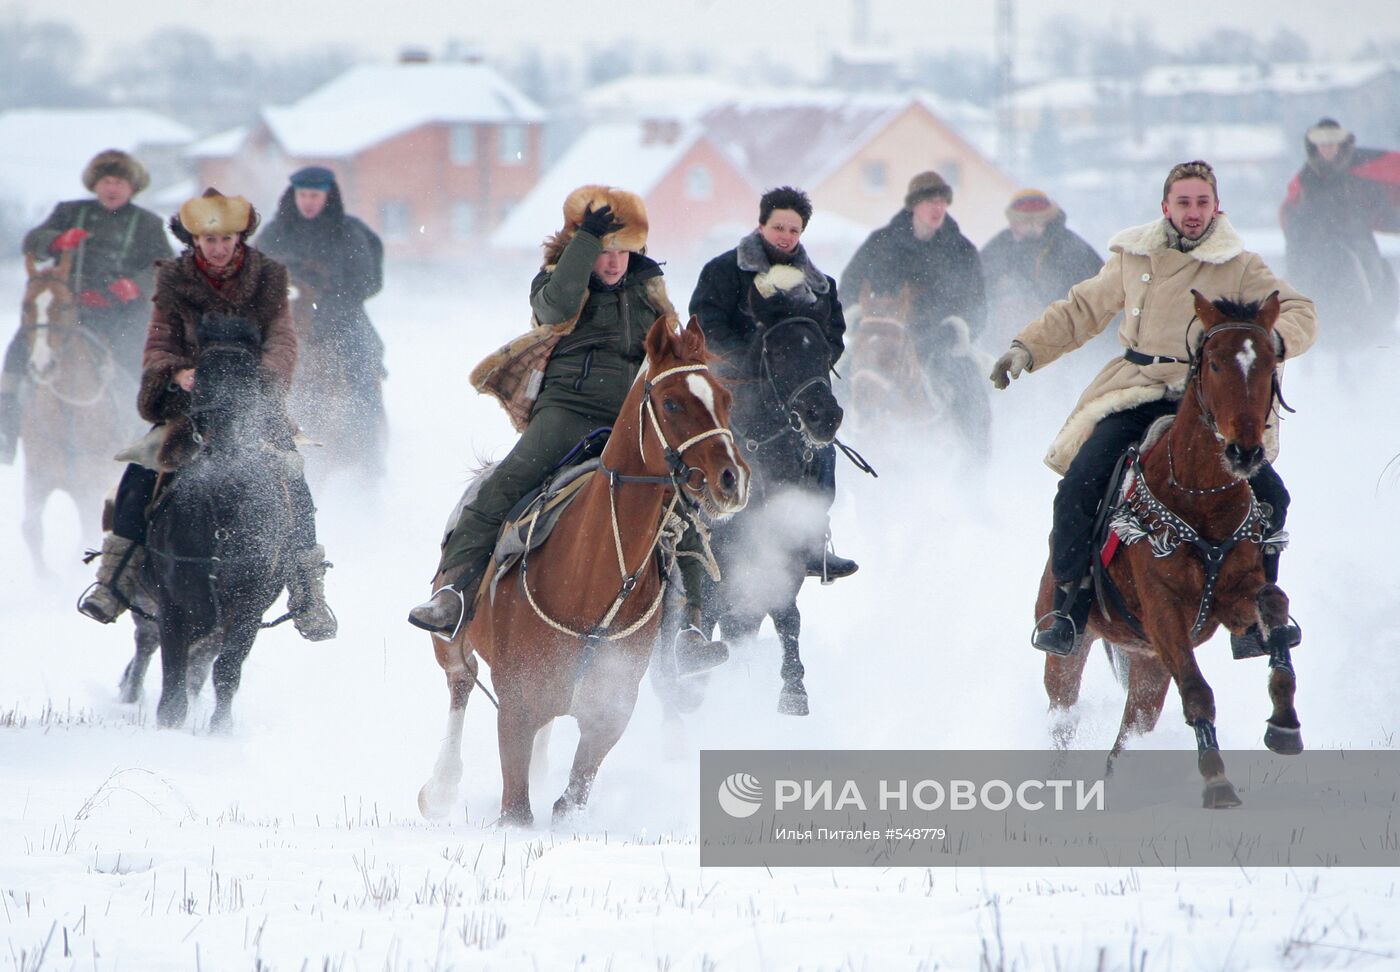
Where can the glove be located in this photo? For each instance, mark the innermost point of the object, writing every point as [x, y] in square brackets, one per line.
[124, 289]
[68, 240]
[1010, 365]
[93, 298]
[600, 222]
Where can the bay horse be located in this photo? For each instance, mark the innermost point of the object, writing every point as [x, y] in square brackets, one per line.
[218, 531]
[784, 413]
[73, 419]
[888, 389]
[337, 396]
[570, 628]
[1201, 565]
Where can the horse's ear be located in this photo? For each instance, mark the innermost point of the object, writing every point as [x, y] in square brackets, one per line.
[662, 338]
[1206, 311]
[693, 340]
[1268, 311]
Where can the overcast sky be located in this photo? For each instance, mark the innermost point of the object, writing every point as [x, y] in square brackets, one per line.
[801, 31]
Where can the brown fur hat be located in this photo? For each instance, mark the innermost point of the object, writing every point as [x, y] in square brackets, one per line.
[214, 212]
[115, 162]
[627, 208]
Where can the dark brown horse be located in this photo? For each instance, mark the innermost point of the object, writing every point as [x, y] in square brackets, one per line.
[571, 627]
[74, 419]
[1191, 558]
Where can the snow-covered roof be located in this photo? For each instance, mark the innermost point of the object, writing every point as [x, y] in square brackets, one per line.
[43, 150]
[1219, 143]
[1236, 79]
[682, 97]
[218, 146]
[615, 153]
[373, 102]
[1066, 94]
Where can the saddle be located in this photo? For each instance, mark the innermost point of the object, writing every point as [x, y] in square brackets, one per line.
[1107, 540]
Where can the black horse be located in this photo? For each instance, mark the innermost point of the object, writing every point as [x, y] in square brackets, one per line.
[784, 417]
[219, 530]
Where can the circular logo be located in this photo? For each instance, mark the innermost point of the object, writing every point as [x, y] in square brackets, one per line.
[740, 795]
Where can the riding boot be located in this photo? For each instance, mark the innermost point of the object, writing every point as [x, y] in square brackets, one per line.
[306, 595]
[696, 653]
[828, 565]
[1068, 615]
[117, 573]
[9, 426]
[453, 604]
[1253, 644]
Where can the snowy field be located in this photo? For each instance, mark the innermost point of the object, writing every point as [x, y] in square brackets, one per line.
[295, 842]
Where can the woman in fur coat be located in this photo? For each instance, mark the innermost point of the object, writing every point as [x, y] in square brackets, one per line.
[217, 272]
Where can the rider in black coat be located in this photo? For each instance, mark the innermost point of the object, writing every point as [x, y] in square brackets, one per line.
[720, 301]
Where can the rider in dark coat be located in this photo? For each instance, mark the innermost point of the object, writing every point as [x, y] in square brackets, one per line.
[922, 248]
[1035, 260]
[1329, 222]
[720, 301]
[342, 261]
[599, 294]
[220, 273]
[116, 245]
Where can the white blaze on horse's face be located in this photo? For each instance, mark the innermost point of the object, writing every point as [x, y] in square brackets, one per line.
[1246, 357]
[701, 389]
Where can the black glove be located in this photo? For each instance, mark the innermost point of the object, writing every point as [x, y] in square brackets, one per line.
[600, 222]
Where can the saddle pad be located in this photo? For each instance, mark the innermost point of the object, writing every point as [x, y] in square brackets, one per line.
[1108, 540]
[550, 502]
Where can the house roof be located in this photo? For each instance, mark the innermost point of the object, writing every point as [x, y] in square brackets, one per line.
[219, 146]
[682, 97]
[614, 153]
[1220, 143]
[43, 150]
[373, 102]
[1238, 79]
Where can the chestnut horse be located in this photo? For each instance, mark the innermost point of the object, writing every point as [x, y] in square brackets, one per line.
[570, 629]
[1201, 565]
[887, 384]
[73, 420]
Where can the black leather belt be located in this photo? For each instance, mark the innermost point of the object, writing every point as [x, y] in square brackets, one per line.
[1138, 358]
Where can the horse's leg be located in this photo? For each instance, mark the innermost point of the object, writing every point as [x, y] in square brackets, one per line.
[515, 734]
[792, 700]
[1284, 733]
[202, 652]
[1063, 675]
[1168, 631]
[600, 726]
[147, 641]
[228, 672]
[174, 650]
[1148, 680]
[437, 796]
[36, 497]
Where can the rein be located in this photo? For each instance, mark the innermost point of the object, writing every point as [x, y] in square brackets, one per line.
[668, 532]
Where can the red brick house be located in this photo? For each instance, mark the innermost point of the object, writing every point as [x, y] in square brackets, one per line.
[432, 155]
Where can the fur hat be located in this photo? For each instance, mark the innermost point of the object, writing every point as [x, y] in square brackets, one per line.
[214, 212]
[1031, 206]
[627, 208]
[927, 185]
[115, 162]
[1328, 131]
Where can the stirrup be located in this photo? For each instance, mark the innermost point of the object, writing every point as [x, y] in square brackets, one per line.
[461, 615]
[1074, 641]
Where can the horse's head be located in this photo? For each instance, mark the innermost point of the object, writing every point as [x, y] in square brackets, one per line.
[793, 356]
[687, 409]
[227, 405]
[1232, 373]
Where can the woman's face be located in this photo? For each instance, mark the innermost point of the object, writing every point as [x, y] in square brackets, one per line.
[782, 230]
[217, 248]
[610, 266]
[310, 202]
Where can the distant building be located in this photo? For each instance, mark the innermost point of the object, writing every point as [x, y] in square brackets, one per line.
[43, 152]
[431, 154]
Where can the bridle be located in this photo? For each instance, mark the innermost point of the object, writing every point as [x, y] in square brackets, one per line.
[786, 406]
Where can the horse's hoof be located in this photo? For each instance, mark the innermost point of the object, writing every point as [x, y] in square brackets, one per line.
[565, 810]
[793, 701]
[1282, 740]
[1220, 796]
[516, 817]
[435, 799]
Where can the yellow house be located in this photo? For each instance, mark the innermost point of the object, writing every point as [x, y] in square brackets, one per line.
[855, 154]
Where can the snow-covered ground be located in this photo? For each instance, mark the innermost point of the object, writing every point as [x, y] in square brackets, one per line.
[295, 842]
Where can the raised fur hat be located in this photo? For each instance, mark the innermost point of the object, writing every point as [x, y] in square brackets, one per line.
[627, 208]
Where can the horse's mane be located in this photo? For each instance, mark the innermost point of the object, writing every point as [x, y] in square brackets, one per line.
[1237, 309]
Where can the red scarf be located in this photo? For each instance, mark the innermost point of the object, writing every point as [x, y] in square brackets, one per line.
[219, 277]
